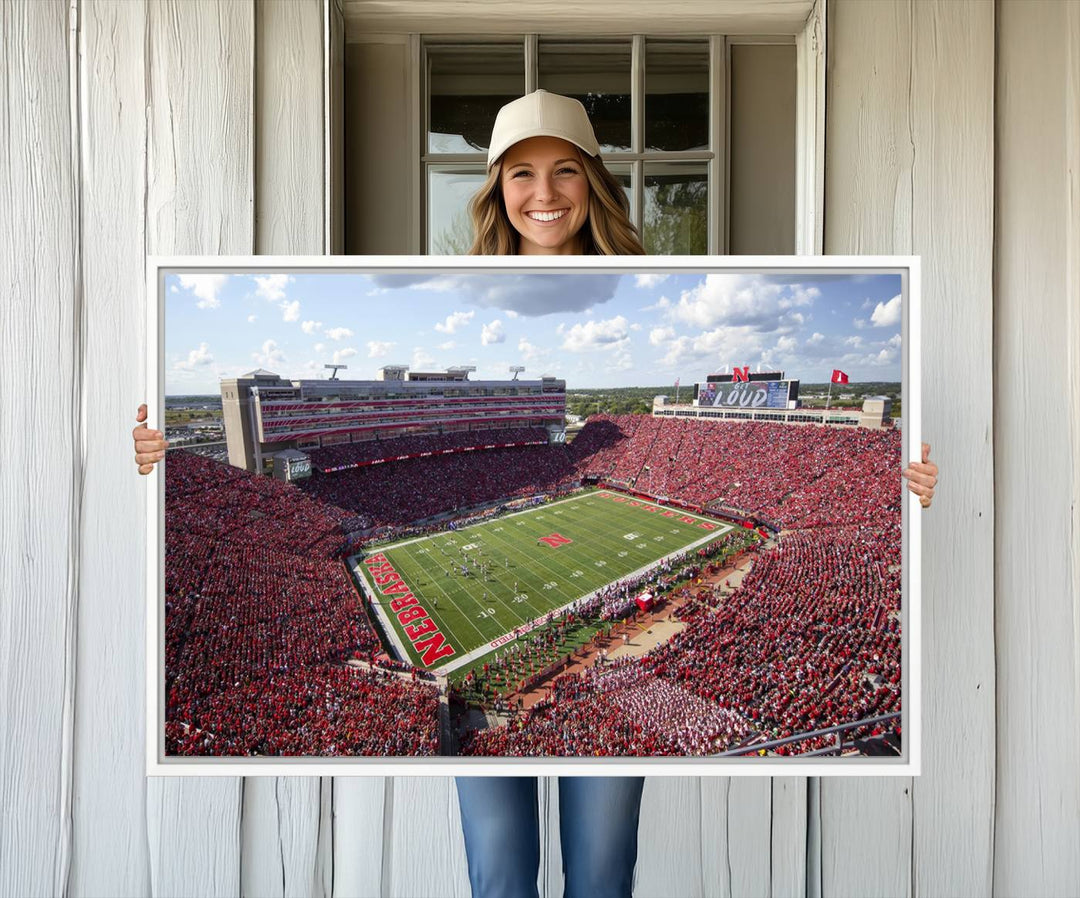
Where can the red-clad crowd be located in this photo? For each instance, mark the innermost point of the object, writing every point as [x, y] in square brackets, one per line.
[795, 476]
[396, 494]
[259, 615]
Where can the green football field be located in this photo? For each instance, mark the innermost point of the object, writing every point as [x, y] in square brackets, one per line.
[452, 597]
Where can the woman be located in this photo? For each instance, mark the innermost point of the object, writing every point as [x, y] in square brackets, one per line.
[548, 193]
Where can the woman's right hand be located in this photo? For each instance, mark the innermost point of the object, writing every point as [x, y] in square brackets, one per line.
[150, 445]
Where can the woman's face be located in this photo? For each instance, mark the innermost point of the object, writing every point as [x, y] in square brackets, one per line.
[546, 195]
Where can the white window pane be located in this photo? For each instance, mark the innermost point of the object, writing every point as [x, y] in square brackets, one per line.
[676, 95]
[676, 209]
[467, 85]
[597, 74]
[449, 191]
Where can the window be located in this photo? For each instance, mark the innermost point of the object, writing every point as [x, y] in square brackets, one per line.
[659, 107]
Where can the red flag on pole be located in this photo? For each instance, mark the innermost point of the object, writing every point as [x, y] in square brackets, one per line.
[839, 377]
[742, 374]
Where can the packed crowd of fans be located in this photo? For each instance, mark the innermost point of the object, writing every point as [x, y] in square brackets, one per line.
[260, 614]
[808, 640]
[393, 495]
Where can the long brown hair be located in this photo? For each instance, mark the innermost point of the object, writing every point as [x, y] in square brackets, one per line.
[608, 230]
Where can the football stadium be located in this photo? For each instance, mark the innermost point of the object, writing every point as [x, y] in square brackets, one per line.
[425, 564]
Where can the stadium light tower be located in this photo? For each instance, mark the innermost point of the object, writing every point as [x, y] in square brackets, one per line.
[335, 369]
[516, 370]
[463, 368]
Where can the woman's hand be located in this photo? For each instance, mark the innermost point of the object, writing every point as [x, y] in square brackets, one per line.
[922, 477]
[150, 445]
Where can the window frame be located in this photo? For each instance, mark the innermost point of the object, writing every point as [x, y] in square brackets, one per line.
[810, 120]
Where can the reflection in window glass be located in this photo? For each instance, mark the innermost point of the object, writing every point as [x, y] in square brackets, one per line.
[449, 192]
[676, 209]
[623, 176]
[467, 85]
[676, 95]
[597, 74]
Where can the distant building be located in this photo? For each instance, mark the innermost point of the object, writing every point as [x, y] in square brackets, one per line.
[265, 413]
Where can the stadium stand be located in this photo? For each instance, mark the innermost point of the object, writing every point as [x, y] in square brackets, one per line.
[261, 613]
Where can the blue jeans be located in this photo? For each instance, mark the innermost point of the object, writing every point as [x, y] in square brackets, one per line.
[598, 824]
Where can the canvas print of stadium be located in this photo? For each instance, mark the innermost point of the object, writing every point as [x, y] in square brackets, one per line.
[571, 514]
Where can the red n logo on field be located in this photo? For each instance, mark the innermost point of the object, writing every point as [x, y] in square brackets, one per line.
[555, 540]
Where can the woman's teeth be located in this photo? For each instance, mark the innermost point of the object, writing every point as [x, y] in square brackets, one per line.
[546, 216]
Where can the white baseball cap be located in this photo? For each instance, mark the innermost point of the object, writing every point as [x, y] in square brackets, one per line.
[541, 114]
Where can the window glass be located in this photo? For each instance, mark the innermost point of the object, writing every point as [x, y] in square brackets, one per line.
[597, 74]
[467, 85]
[676, 208]
[449, 190]
[676, 95]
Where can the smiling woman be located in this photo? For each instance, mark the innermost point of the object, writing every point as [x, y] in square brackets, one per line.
[547, 190]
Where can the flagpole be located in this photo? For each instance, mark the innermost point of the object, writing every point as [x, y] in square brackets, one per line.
[827, 401]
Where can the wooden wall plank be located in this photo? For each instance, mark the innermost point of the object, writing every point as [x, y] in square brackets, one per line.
[289, 127]
[736, 855]
[361, 815]
[40, 316]
[110, 851]
[671, 838]
[1037, 821]
[199, 200]
[424, 848]
[282, 815]
[953, 230]
[909, 170]
[788, 847]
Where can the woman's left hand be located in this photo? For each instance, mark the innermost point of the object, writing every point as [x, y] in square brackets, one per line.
[922, 477]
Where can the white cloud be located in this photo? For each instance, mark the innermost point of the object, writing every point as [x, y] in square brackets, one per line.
[311, 327]
[854, 340]
[252, 319]
[271, 287]
[649, 280]
[290, 311]
[270, 355]
[726, 345]
[174, 289]
[339, 333]
[860, 323]
[529, 351]
[510, 313]
[886, 314]
[197, 358]
[493, 333]
[786, 344]
[895, 340]
[319, 347]
[815, 338]
[597, 335]
[454, 322]
[660, 335]
[447, 346]
[729, 299]
[378, 349]
[341, 354]
[421, 360]
[206, 287]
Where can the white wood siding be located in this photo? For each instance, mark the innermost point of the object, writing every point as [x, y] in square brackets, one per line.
[953, 132]
[1036, 303]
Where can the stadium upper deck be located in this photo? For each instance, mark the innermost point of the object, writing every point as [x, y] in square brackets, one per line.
[266, 413]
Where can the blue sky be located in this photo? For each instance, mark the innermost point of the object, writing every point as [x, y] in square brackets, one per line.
[593, 329]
